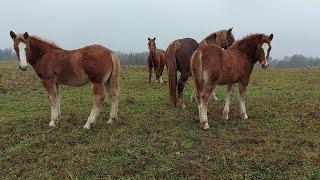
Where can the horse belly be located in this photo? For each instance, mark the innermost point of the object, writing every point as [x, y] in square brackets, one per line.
[73, 78]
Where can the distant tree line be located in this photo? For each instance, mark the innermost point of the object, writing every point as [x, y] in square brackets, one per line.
[133, 58]
[295, 61]
[7, 54]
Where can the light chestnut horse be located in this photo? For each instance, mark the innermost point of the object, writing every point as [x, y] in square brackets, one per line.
[156, 60]
[211, 65]
[56, 66]
[178, 56]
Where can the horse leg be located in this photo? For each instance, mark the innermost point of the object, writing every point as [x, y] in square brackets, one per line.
[51, 89]
[226, 109]
[112, 87]
[183, 78]
[203, 107]
[150, 73]
[59, 101]
[242, 94]
[193, 95]
[98, 97]
[160, 73]
[213, 95]
[157, 72]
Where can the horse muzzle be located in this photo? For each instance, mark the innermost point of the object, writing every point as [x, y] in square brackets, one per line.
[23, 68]
[264, 66]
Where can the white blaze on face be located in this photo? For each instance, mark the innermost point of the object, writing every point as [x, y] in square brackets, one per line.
[22, 55]
[265, 47]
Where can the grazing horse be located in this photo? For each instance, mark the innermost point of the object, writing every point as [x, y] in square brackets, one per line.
[178, 57]
[156, 60]
[55, 66]
[211, 65]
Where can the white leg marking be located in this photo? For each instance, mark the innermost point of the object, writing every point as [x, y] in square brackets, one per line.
[226, 109]
[22, 55]
[113, 111]
[92, 118]
[243, 108]
[161, 80]
[204, 115]
[213, 96]
[193, 95]
[54, 113]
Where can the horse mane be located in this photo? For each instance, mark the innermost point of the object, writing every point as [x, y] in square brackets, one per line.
[217, 32]
[247, 39]
[53, 44]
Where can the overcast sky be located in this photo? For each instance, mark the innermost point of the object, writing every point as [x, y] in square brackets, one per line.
[124, 25]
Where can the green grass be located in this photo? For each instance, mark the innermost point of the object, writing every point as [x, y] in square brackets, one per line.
[281, 138]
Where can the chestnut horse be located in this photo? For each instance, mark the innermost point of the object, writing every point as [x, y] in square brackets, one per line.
[156, 60]
[55, 66]
[211, 65]
[178, 57]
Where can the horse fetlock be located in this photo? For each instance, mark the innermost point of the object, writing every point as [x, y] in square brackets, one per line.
[225, 115]
[87, 126]
[112, 120]
[52, 123]
[244, 115]
[205, 125]
[214, 97]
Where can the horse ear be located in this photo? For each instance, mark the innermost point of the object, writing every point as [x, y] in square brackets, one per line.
[230, 30]
[13, 35]
[271, 37]
[149, 39]
[25, 35]
[154, 38]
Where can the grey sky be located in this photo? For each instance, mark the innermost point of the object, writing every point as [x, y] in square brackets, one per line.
[124, 25]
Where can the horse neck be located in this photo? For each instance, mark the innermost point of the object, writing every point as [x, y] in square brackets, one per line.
[249, 49]
[38, 49]
[153, 53]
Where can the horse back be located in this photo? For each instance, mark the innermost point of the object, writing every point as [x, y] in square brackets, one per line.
[184, 53]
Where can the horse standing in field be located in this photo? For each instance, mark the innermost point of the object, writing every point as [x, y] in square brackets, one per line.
[156, 60]
[178, 57]
[55, 66]
[211, 65]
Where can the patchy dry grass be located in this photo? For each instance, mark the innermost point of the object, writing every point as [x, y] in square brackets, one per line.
[152, 140]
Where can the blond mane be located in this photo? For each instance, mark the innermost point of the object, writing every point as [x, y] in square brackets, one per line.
[40, 39]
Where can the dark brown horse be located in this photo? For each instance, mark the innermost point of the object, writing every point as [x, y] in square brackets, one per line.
[156, 60]
[211, 65]
[178, 57]
[55, 66]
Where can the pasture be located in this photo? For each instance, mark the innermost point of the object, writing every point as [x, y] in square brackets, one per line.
[281, 138]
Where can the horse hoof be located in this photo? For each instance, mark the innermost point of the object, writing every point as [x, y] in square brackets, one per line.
[245, 116]
[86, 126]
[205, 126]
[225, 115]
[52, 124]
[110, 121]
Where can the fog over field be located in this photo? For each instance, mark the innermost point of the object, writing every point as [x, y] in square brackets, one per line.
[124, 25]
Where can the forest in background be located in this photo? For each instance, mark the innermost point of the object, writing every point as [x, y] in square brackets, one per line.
[294, 61]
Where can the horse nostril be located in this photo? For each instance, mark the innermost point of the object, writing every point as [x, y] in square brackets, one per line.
[22, 68]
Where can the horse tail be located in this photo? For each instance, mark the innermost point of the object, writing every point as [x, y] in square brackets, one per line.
[172, 70]
[115, 75]
[196, 69]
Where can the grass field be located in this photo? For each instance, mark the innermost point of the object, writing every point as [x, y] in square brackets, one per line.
[281, 138]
